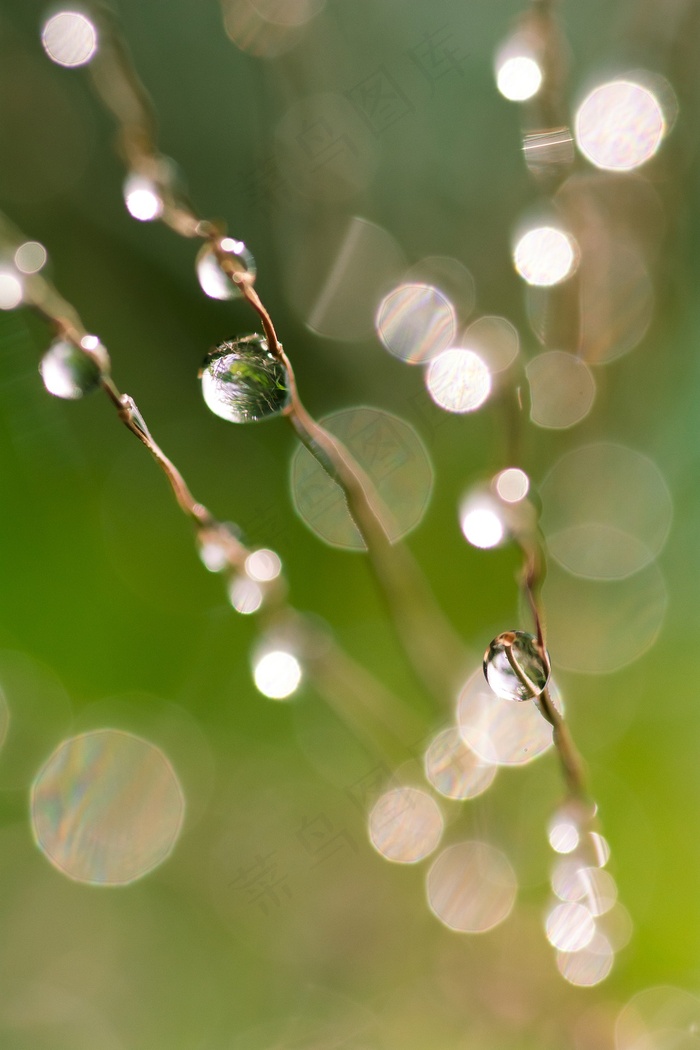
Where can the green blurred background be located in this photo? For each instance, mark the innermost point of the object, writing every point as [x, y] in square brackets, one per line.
[109, 619]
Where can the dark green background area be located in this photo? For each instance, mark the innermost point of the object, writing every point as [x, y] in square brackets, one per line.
[101, 587]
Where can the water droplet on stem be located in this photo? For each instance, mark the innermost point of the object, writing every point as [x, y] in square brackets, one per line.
[243, 382]
[514, 666]
[69, 372]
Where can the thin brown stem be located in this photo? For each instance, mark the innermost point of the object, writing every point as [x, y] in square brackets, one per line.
[369, 708]
[428, 639]
[532, 578]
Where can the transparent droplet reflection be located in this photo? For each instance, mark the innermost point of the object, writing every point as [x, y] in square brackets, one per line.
[213, 280]
[471, 887]
[454, 769]
[499, 731]
[288, 12]
[518, 73]
[246, 596]
[263, 565]
[11, 290]
[250, 31]
[512, 484]
[619, 125]
[449, 276]
[67, 372]
[343, 294]
[514, 666]
[607, 511]
[617, 303]
[324, 147]
[142, 198]
[659, 1018]
[405, 825]
[107, 807]
[563, 832]
[588, 966]
[458, 381]
[545, 256]
[548, 152]
[277, 674]
[600, 847]
[481, 520]
[213, 556]
[495, 340]
[30, 257]
[243, 382]
[562, 389]
[415, 322]
[570, 926]
[69, 38]
[394, 458]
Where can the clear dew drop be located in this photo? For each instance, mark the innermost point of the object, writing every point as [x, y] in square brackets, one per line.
[514, 667]
[245, 595]
[213, 555]
[405, 825]
[213, 280]
[277, 674]
[243, 382]
[11, 289]
[142, 197]
[570, 927]
[68, 372]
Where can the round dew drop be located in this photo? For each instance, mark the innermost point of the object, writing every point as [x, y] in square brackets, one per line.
[514, 666]
[243, 382]
[68, 372]
[213, 281]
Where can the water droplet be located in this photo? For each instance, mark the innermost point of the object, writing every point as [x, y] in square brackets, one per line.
[565, 828]
[30, 257]
[518, 77]
[454, 769]
[405, 825]
[595, 887]
[471, 887]
[142, 197]
[68, 372]
[213, 280]
[107, 807]
[245, 595]
[514, 666]
[512, 484]
[263, 565]
[69, 39]
[590, 965]
[659, 1018]
[570, 927]
[11, 290]
[545, 256]
[243, 382]
[394, 458]
[458, 380]
[500, 731]
[416, 322]
[601, 849]
[277, 674]
[620, 125]
[213, 555]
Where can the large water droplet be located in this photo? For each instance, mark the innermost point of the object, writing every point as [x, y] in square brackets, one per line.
[514, 666]
[213, 280]
[243, 382]
[68, 372]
